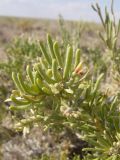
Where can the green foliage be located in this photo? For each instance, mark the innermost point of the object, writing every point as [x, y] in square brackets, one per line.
[49, 86]
[19, 52]
[57, 93]
[112, 30]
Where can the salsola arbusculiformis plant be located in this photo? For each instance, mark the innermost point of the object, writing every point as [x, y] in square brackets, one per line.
[57, 94]
[51, 88]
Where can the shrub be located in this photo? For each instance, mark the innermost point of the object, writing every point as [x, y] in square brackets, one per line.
[57, 92]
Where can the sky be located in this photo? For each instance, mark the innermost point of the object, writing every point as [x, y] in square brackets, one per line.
[69, 9]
